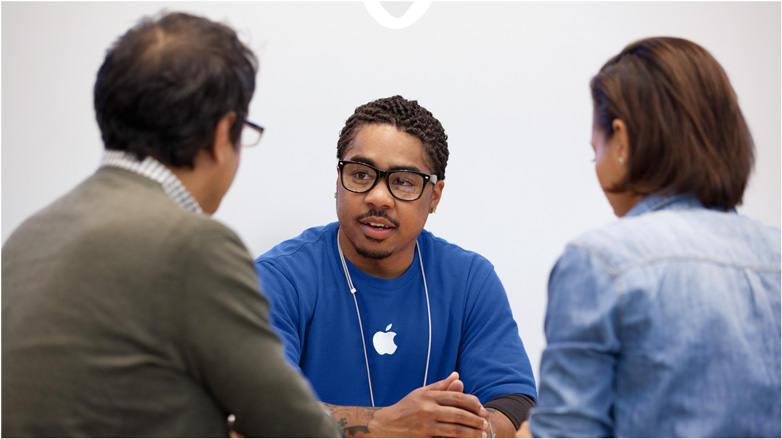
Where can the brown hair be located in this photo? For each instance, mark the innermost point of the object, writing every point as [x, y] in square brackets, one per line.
[685, 128]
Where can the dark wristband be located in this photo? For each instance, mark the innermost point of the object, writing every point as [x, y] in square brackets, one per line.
[515, 406]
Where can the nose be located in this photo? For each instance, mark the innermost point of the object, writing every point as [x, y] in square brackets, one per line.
[379, 196]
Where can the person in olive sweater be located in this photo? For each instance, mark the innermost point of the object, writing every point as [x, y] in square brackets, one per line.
[126, 309]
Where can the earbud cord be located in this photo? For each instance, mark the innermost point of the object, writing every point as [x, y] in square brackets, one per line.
[428, 312]
[361, 327]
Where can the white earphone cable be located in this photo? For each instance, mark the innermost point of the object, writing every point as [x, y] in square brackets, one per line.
[358, 314]
[428, 312]
[360, 326]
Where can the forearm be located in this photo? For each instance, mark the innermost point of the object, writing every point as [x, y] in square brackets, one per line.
[437, 410]
[500, 424]
[353, 421]
[515, 406]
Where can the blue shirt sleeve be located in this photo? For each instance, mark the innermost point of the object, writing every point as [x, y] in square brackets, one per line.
[577, 366]
[284, 312]
[492, 360]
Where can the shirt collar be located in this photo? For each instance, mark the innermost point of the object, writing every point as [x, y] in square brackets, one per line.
[156, 171]
[651, 203]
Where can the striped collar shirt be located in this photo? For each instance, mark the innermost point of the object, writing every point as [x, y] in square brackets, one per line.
[156, 171]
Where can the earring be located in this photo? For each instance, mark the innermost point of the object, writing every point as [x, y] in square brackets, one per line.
[433, 210]
[335, 195]
[622, 161]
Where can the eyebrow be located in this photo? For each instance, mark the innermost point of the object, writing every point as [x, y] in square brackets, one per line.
[371, 162]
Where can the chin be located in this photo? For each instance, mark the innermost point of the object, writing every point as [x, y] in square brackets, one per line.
[373, 253]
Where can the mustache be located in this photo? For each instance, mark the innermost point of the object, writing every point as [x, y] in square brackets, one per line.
[378, 214]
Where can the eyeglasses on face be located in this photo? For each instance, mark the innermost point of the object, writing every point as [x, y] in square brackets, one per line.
[403, 185]
[251, 134]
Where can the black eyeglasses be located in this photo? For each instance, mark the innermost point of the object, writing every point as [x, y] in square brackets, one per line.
[403, 185]
[251, 134]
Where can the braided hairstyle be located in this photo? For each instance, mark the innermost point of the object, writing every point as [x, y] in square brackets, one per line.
[406, 116]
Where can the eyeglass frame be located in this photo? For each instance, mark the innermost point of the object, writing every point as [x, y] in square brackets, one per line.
[384, 174]
[259, 129]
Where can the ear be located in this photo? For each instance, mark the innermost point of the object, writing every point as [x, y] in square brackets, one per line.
[222, 147]
[436, 194]
[620, 141]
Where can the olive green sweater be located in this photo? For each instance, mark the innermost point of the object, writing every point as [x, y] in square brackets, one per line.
[124, 314]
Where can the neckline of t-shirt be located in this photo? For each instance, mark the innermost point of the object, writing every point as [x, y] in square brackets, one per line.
[366, 281]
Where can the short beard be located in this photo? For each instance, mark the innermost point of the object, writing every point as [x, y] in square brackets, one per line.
[373, 254]
[376, 254]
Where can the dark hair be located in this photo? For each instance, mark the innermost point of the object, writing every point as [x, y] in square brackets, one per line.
[165, 84]
[407, 116]
[685, 128]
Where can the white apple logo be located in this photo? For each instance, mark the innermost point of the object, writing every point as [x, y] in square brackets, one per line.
[384, 341]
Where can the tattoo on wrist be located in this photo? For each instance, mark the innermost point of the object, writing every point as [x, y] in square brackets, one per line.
[360, 415]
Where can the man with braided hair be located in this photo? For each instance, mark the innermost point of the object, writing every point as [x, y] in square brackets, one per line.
[400, 332]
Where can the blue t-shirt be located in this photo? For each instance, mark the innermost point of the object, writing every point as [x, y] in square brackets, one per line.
[473, 331]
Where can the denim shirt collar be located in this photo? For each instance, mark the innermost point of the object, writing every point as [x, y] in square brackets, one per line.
[651, 203]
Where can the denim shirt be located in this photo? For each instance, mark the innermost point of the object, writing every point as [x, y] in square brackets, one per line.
[664, 323]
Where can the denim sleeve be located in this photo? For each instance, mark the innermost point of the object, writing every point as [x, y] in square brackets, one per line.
[577, 366]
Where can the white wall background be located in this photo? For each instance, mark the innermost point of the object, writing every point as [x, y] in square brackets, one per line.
[508, 80]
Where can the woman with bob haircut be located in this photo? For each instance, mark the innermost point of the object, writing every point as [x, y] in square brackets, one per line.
[666, 322]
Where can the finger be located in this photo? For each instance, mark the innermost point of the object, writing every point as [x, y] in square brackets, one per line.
[456, 415]
[443, 385]
[462, 401]
[445, 429]
[456, 422]
[456, 386]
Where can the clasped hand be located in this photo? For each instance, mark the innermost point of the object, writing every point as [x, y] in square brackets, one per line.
[441, 409]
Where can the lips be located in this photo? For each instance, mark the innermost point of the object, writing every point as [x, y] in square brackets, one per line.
[377, 224]
[377, 227]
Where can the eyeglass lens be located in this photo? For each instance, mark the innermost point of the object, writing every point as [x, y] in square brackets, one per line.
[250, 135]
[403, 185]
